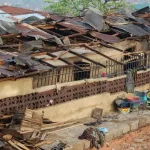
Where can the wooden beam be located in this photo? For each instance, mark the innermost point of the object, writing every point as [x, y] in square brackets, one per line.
[72, 35]
[103, 55]
[39, 54]
[9, 35]
[10, 46]
[88, 59]
[48, 64]
[52, 55]
[110, 46]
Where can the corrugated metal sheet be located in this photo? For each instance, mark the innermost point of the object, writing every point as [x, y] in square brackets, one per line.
[13, 10]
[105, 37]
[83, 25]
[16, 10]
[6, 17]
[28, 30]
[132, 29]
[72, 26]
[94, 19]
[115, 20]
[25, 16]
[142, 11]
[8, 27]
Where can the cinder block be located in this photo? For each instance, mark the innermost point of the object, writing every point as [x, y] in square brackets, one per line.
[134, 125]
[109, 136]
[147, 117]
[142, 122]
[125, 128]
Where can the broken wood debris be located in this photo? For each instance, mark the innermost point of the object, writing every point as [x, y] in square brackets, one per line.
[28, 120]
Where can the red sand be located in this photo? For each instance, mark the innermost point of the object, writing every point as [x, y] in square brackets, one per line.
[138, 140]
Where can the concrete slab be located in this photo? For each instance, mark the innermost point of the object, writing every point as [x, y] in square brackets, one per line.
[116, 129]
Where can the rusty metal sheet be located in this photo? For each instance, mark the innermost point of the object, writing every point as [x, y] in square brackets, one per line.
[8, 73]
[144, 10]
[94, 19]
[74, 27]
[133, 29]
[28, 30]
[7, 28]
[105, 37]
[115, 20]
[16, 10]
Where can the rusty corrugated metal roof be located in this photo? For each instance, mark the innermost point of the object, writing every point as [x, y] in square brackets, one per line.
[105, 37]
[19, 11]
[134, 30]
[72, 26]
[28, 30]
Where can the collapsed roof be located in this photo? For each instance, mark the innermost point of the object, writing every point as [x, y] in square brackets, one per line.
[34, 41]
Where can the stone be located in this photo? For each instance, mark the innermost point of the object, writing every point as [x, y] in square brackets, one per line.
[138, 140]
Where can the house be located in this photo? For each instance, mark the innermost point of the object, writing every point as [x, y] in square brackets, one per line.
[48, 59]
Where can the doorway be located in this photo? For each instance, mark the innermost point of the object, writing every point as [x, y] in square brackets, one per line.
[83, 72]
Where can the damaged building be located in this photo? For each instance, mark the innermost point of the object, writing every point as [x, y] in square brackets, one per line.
[48, 59]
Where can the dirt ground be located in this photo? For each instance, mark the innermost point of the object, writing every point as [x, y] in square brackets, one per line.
[138, 140]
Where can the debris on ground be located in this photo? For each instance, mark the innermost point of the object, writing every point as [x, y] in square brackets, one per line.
[95, 136]
[15, 127]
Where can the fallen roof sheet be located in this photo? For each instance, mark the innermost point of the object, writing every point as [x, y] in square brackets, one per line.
[105, 37]
[6, 17]
[94, 19]
[142, 11]
[7, 27]
[115, 20]
[134, 30]
[28, 46]
[28, 30]
[73, 26]
[126, 13]
[25, 16]
[20, 11]
[83, 25]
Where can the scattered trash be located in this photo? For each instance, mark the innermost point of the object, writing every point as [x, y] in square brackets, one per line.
[104, 130]
[56, 145]
[126, 105]
[95, 137]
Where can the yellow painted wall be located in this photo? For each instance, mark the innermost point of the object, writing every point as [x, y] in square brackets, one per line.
[83, 107]
[16, 87]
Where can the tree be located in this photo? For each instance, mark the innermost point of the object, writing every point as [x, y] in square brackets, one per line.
[75, 7]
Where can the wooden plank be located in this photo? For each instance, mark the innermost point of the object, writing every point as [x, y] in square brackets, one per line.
[39, 54]
[20, 144]
[43, 143]
[14, 145]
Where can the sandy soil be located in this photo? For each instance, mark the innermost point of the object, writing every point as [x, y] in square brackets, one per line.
[138, 140]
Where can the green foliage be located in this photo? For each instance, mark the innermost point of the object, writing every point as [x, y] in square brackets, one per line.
[75, 7]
